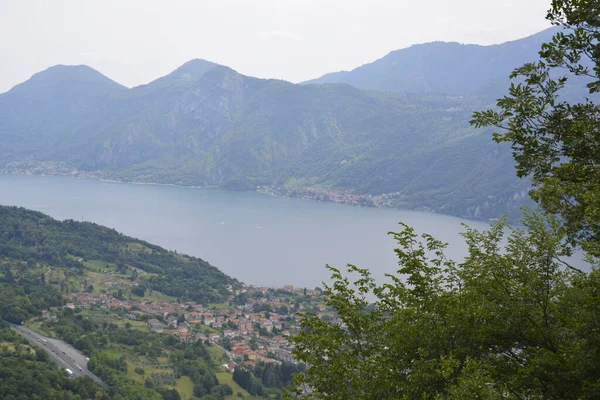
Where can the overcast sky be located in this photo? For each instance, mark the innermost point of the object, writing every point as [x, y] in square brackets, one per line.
[136, 41]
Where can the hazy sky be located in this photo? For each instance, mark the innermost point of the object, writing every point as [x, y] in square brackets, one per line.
[136, 41]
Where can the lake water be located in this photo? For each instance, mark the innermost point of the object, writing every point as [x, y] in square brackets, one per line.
[255, 238]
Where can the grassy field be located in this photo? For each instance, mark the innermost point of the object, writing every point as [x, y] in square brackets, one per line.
[39, 328]
[226, 377]
[138, 247]
[24, 349]
[207, 329]
[96, 280]
[99, 279]
[99, 316]
[185, 387]
[113, 352]
[152, 295]
[148, 366]
[99, 265]
[218, 306]
[141, 325]
[134, 375]
[184, 384]
[216, 354]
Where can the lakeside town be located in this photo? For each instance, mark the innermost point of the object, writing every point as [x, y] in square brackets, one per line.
[252, 326]
[386, 200]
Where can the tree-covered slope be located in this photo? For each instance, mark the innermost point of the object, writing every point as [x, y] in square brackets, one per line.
[205, 124]
[40, 242]
[41, 115]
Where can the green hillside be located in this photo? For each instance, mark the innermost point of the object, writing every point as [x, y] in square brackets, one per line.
[45, 246]
[44, 261]
[207, 125]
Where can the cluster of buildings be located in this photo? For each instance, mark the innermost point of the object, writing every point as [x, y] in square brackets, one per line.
[31, 167]
[255, 331]
[385, 200]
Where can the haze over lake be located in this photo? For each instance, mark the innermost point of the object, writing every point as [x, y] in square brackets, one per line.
[255, 238]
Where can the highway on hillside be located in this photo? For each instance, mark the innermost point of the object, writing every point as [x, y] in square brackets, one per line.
[62, 353]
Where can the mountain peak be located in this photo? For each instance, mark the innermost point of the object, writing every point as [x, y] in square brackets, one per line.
[68, 76]
[188, 73]
[196, 66]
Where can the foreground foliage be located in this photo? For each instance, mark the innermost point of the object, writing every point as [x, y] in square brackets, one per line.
[555, 136]
[510, 322]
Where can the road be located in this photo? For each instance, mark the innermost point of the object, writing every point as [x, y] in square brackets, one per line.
[62, 353]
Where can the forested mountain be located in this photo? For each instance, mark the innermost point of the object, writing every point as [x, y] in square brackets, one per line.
[205, 124]
[444, 67]
[51, 107]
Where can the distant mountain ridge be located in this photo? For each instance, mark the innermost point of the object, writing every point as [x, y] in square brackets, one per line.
[207, 125]
[53, 77]
[444, 67]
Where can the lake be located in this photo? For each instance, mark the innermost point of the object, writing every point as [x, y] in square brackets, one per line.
[256, 238]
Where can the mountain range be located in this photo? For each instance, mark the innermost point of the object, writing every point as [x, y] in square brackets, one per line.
[442, 67]
[207, 125]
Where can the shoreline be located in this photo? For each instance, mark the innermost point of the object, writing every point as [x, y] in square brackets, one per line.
[337, 196]
[140, 182]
